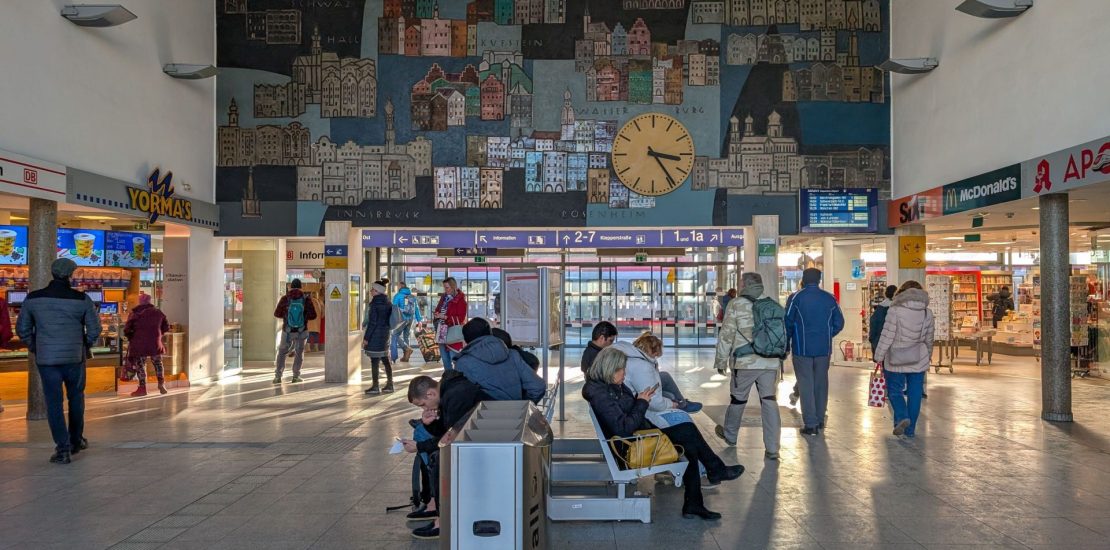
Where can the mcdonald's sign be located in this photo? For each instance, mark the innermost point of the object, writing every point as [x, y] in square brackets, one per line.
[994, 187]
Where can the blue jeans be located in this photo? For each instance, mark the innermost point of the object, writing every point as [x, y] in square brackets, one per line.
[54, 377]
[669, 387]
[400, 339]
[905, 406]
[445, 355]
[813, 387]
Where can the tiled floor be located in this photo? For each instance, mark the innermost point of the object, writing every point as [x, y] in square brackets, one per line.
[248, 465]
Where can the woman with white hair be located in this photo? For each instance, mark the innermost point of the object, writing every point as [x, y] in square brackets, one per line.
[620, 413]
[375, 342]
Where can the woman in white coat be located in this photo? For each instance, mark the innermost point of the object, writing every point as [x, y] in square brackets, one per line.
[905, 349]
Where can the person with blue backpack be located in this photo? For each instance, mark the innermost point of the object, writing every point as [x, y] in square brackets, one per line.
[406, 302]
[813, 318]
[752, 344]
[295, 310]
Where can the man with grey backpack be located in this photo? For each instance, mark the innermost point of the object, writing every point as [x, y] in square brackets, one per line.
[751, 344]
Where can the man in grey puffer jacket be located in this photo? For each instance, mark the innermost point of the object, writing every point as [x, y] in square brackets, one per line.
[59, 325]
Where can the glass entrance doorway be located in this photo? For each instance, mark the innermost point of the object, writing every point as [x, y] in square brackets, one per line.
[675, 298]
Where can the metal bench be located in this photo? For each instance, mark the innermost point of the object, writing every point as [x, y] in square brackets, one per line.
[588, 484]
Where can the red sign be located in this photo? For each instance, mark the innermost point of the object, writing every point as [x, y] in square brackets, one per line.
[30, 176]
[916, 207]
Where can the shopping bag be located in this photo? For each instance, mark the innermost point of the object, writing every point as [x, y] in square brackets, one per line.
[441, 332]
[876, 397]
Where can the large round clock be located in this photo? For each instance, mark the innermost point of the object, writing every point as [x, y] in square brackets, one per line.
[653, 154]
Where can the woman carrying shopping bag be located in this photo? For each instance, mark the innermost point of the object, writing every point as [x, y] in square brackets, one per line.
[904, 350]
[450, 312]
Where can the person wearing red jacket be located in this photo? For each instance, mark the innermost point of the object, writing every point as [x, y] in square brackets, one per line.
[144, 329]
[450, 311]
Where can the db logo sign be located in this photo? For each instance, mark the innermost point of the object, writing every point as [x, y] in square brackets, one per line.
[30, 176]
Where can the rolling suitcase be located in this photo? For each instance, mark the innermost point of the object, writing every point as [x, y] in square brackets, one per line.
[428, 346]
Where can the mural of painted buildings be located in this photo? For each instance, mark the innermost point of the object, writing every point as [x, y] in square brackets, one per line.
[414, 28]
[834, 76]
[497, 89]
[346, 87]
[810, 15]
[771, 163]
[627, 66]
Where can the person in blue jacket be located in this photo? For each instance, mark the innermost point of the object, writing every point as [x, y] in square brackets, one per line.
[813, 318]
[878, 317]
[410, 312]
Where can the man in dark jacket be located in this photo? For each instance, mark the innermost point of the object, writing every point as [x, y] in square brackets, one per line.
[813, 318]
[295, 310]
[603, 336]
[59, 326]
[498, 370]
[878, 317]
[446, 404]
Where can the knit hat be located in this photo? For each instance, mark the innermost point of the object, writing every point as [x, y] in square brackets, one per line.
[378, 287]
[475, 329]
[811, 276]
[63, 268]
[144, 299]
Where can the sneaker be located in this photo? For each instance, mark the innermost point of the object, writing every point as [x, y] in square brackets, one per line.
[720, 431]
[427, 532]
[373, 390]
[297, 379]
[277, 380]
[388, 389]
[162, 389]
[79, 446]
[692, 406]
[900, 428]
[61, 457]
[139, 392]
[809, 431]
[770, 456]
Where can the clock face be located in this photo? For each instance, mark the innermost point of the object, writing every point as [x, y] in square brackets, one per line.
[653, 154]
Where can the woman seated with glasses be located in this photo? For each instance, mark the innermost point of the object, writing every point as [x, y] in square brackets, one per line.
[620, 413]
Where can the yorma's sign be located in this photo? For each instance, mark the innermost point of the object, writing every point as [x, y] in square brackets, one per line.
[995, 187]
[158, 200]
[1078, 166]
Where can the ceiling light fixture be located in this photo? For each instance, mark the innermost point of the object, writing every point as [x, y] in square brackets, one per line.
[97, 15]
[189, 72]
[910, 65]
[995, 9]
[91, 217]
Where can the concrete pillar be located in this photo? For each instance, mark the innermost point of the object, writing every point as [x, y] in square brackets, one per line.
[260, 295]
[1056, 324]
[42, 249]
[205, 322]
[343, 310]
[765, 230]
[894, 274]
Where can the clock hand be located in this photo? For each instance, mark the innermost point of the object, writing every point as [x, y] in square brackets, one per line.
[658, 155]
[666, 172]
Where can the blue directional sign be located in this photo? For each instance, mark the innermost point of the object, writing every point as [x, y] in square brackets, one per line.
[335, 250]
[571, 238]
[516, 239]
[377, 238]
[432, 238]
[609, 238]
[691, 237]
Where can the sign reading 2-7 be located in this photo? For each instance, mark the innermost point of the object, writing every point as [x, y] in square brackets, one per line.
[578, 237]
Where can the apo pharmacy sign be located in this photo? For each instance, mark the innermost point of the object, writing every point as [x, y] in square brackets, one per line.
[28, 177]
[1079, 166]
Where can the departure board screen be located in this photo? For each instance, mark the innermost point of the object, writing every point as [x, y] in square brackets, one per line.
[839, 210]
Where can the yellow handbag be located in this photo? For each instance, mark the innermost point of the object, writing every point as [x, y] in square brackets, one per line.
[646, 448]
